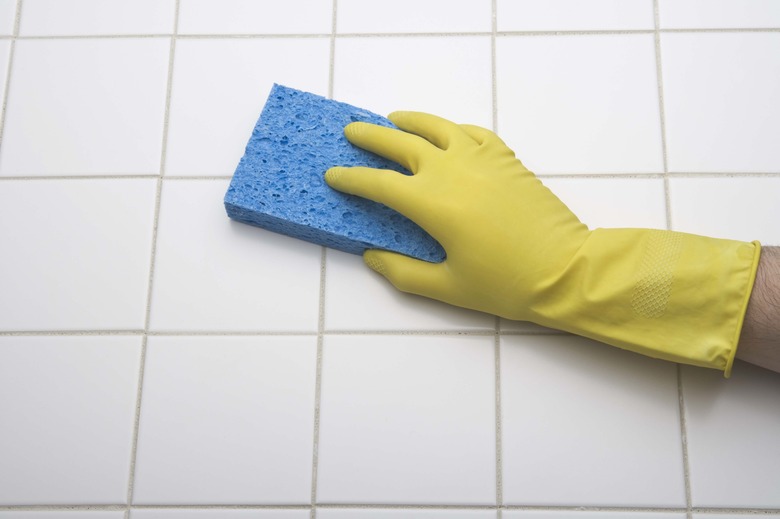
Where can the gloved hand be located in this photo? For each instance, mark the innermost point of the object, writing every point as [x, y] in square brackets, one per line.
[515, 250]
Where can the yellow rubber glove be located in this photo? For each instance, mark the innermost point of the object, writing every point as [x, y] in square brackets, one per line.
[515, 250]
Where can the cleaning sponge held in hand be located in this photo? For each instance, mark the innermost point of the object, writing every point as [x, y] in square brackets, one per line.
[279, 185]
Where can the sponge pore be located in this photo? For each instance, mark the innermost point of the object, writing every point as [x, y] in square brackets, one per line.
[279, 182]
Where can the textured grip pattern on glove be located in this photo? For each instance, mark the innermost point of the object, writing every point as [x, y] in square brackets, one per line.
[656, 273]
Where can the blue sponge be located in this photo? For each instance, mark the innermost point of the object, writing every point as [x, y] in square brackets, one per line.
[279, 185]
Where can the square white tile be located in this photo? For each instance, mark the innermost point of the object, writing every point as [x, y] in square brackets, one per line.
[363, 513]
[410, 16]
[585, 424]
[219, 89]
[449, 77]
[580, 104]
[613, 202]
[7, 16]
[218, 514]
[407, 420]
[716, 121]
[212, 273]
[573, 15]
[96, 17]
[255, 17]
[227, 420]
[68, 405]
[718, 14]
[105, 115]
[544, 514]
[732, 427]
[76, 253]
[746, 208]
[357, 298]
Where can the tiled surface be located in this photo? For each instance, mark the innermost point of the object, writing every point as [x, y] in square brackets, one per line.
[587, 424]
[741, 208]
[405, 16]
[222, 417]
[396, 409]
[699, 98]
[75, 254]
[445, 76]
[359, 299]
[279, 382]
[580, 104]
[68, 406]
[212, 273]
[94, 17]
[732, 430]
[255, 17]
[219, 88]
[7, 16]
[573, 15]
[105, 115]
[719, 14]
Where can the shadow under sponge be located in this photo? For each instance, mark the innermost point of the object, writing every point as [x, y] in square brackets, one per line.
[279, 183]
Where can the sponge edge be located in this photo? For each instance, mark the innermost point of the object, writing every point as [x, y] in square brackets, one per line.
[279, 184]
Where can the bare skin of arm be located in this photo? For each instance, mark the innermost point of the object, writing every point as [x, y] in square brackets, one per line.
[759, 343]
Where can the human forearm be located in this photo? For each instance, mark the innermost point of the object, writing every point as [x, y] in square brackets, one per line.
[759, 343]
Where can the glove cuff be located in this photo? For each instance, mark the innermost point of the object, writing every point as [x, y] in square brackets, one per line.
[665, 294]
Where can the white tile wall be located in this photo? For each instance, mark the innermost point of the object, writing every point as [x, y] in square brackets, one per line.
[580, 104]
[732, 430]
[226, 420]
[75, 253]
[255, 17]
[407, 420]
[573, 15]
[219, 88]
[68, 407]
[705, 85]
[587, 424]
[7, 16]
[405, 16]
[105, 115]
[94, 17]
[158, 361]
[719, 14]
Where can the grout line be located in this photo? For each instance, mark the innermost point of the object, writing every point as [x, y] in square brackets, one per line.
[152, 260]
[321, 310]
[684, 442]
[499, 427]
[662, 113]
[332, 64]
[362, 506]
[497, 325]
[494, 85]
[595, 32]
[12, 48]
[318, 385]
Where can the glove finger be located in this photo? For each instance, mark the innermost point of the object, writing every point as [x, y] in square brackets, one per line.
[409, 274]
[385, 186]
[479, 134]
[401, 147]
[439, 131]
